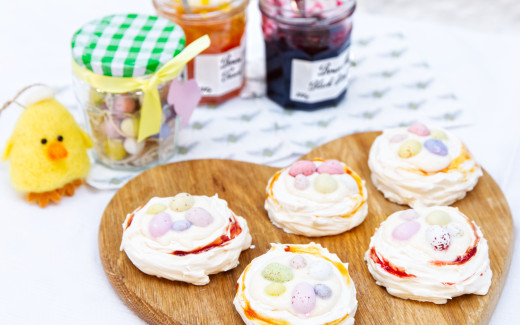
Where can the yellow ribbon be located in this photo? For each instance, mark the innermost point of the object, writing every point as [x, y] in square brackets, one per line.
[151, 110]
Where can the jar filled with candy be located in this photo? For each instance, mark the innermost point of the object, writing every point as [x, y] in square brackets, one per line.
[219, 70]
[307, 51]
[124, 66]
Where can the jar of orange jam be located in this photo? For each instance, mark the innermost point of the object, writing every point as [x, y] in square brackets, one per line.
[219, 70]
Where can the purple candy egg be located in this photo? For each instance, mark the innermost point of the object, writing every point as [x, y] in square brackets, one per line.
[398, 138]
[160, 224]
[419, 129]
[199, 217]
[181, 225]
[323, 291]
[436, 147]
[165, 131]
[409, 214]
[406, 230]
[303, 298]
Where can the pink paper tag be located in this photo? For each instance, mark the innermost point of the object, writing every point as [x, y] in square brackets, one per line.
[184, 97]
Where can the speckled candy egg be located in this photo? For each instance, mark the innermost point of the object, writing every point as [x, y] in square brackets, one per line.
[156, 208]
[304, 167]
[199, 217]
[439, 134]
[129, 127]
[455, 230]
[298, 262]
[406, 230]
[438, 237]
[436, 147]
[324, 183]
[438, 217]
[398, 138]
[182, 202]
[303, 298]
[160, 224]
[274, 289]
[124, 104]
[277, 272]
[181, 225]
[409, 149]
[331, 167]
[114, 149]
[165, 131]
[320, 270]
[409, 214]
[301, 182]
[132, 146]
[323, 291]
[419, 129]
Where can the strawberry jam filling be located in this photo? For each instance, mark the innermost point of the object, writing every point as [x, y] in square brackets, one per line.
[389, 267]
[470, 252]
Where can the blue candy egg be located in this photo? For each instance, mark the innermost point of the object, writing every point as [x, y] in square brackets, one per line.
[323, 291]
[436, 147]
[181, 225]
[165, 131]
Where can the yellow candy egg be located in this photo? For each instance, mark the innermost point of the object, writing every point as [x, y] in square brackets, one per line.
[156, 208]
[182, 202]
[325, 183]
[129, 127]
[114, 149]
[439, 135]
[274, 289]
[438, 217]
[409, 149]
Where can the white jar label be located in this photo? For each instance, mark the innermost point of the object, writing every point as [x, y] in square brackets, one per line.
[320, 80]
[219, 74]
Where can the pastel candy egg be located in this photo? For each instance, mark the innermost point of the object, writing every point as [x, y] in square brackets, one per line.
[438, 217]
[331, 167]
[277, 272]
[199, 217]
[156, 208]
[323, 291]
[132, 146]
[320, 270]
[110, 129]
[409, 149]
[436, 147]
[439, 134]
[181, 225]
[325, 183]
[301, 182]
[114, 149]
[160, 224]
[182, 202]
[455, 230]
[406, 230]
[129, 127]
[438, 237]
[304, 167]
[298, 262]
[409, 214]
[303, 298]
[398, 138]
[165, 131]
[274, 289]
[419, 129]
[124, 104]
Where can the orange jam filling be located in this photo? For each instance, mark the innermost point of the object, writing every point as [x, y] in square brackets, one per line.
[454, 165]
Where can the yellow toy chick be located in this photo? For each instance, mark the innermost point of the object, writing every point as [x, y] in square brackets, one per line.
[47, 150]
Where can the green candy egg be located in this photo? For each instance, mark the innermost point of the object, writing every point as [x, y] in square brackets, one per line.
[114, 149]
[277, 272]
[438, 217]
[274, 289]
[156, 208]
[325, 183]
[439, 135]
[409, 149]
[182, 202]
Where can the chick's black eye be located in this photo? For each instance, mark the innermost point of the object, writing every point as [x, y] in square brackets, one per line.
[44, 141]
[60, 138]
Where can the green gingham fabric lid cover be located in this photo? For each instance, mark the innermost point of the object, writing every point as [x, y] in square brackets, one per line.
[130, 45]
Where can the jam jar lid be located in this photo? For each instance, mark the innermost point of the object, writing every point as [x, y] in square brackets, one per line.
[127, 45]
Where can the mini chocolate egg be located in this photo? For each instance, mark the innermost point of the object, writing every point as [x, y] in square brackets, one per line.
[129, 127]
[274, 289]
[409, 214]
[438, 217]
[277, 272]
[439, 134]
[298, 262]
[165, 131]
[323, 291]
[398, 138]
[182, 202]
[409, 149]
[160, 224]
[438, 237]
[419, 129]
[132, 146]
[303, 298]
[406, 230]
[324, 183]
[331, 167]
[301, 182]
[110, 129]
[436, 147]
[181, 225]
[455, 230]
[199, 217]
[156, 208]
[304, 167]
[320, 270]
[114, 149]
[124, 104]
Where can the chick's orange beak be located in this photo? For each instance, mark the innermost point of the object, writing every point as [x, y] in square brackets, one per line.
[56, 151]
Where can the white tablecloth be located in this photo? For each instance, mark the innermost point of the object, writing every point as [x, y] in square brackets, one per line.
[50, 270]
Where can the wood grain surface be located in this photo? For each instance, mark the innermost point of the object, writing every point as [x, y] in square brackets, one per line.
[160, 301]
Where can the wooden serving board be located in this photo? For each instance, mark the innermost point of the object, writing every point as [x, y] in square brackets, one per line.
[242, 185]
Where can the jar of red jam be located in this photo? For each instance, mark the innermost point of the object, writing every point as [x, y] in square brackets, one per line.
[219, 70]
[307, 51]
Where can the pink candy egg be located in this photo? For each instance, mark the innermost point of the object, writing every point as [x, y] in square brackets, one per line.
[303, 298]
[409, 214]
[406, 230]
[199, 217]
[331, 167]
[304, 167]
[301, 182]
[398, 138]
[419, 129]
[124, 104]
[298, 262]
[160, 224]
[111, 129]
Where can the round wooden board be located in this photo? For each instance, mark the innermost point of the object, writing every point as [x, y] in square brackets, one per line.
[242, 185]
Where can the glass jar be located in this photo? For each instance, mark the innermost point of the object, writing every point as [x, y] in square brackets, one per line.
[307, 51]
[220, 69]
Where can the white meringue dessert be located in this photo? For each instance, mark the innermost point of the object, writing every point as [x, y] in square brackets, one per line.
[422, 166]
[296, 284]
[316, 198]
[429, 254]
[185, 237]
